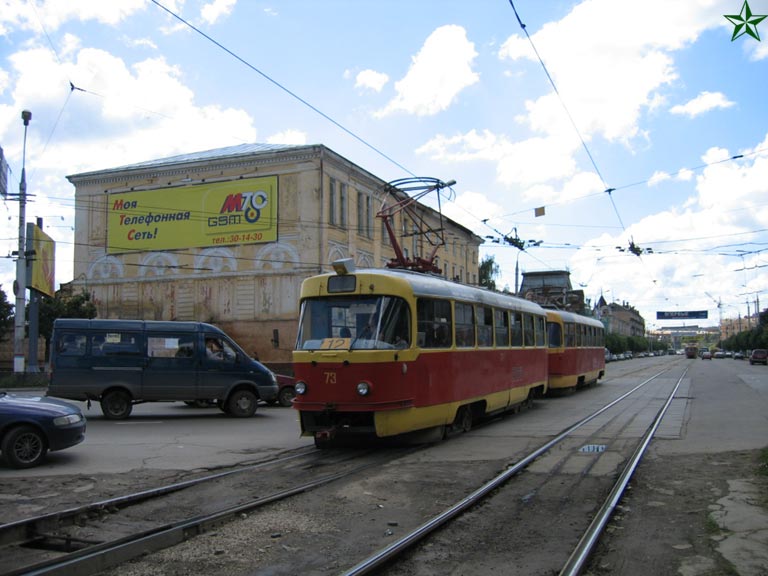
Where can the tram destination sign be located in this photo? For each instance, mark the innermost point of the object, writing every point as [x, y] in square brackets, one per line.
[695, 314]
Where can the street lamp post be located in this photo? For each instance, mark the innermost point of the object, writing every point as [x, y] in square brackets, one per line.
[20, 285]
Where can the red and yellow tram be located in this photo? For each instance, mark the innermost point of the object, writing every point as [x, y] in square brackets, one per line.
[576, 350]
[386, 352]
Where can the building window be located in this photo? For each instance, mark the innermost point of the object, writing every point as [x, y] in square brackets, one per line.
[332, 201]
[343, 205]
[337, 203]
[364, 216]
[369, 214]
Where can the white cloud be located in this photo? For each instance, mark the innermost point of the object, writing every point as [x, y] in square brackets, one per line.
[704, 102]
[371, 80]
[212, 11]
[288, 137]
[51, 14]
[699, 248]
[658, 177]
[468, 205]
[438, 74]
[608, 74]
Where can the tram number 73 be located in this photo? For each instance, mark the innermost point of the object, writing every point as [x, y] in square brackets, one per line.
[330, 377]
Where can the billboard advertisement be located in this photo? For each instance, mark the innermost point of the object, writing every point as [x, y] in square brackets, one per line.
[40, 263]
[197, 216]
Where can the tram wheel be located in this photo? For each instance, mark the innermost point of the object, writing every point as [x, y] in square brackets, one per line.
[463, 422]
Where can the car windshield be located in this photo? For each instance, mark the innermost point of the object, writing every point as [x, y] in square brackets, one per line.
[353, 323]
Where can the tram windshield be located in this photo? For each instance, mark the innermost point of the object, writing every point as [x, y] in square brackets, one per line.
[353, 323]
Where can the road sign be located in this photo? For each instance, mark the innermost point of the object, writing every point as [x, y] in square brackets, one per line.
[681, 315]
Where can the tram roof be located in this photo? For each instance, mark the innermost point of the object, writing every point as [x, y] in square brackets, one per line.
[431, 285]
[576, 318]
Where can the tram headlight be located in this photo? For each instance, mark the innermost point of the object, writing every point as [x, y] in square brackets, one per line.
[300, 388]
[364, 388]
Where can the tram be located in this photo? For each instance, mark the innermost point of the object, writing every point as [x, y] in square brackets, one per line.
[384, 352]
[691, 351]
[576, 346]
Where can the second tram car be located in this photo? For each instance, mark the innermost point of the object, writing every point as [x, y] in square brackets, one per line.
[576, 350]
[385, 352]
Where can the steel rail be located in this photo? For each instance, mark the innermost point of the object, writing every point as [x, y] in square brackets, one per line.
[16, 530]
[579, 556]
[108, 554]
[389, 552]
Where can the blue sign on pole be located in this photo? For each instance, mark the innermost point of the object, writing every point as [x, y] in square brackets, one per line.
[697, 314]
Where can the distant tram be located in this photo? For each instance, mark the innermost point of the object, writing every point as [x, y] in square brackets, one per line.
[384, 352]
[691, 351]
[576, 350]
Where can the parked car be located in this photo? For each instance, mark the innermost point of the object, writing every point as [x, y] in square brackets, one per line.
[30, 426]
[286, 392]
[719, 354]
[759, 356]
[738, 356]
[706, 356]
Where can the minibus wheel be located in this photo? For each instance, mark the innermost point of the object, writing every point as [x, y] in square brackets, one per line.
[242, 403]
[116, 405]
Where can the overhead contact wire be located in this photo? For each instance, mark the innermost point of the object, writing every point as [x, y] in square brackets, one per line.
[283, 88]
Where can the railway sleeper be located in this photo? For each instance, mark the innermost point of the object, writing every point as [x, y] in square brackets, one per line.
[59, 543]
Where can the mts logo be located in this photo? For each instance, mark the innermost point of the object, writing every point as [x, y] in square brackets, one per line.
[250, 204]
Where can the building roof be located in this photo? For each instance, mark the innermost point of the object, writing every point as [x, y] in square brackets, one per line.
[192, 157]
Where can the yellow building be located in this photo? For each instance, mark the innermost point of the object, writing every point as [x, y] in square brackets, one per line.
[226, 236]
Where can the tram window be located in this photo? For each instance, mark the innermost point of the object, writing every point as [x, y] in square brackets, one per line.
[529, 333]
[554, 335]
[501, 327]
[465, 325]
[541, 331]
[517, 328]
[570, 335]
[395, 327]
[434, 323]
[484, 326]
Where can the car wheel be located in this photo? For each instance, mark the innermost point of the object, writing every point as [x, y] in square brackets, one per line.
[116, 405]
[286, 396]
[242, 403]
[24, 447]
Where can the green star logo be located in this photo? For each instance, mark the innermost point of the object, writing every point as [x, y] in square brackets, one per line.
[745, 22]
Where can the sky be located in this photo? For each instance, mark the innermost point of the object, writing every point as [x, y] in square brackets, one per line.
[629, 124]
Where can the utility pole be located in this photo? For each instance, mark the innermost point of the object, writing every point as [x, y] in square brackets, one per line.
[20, 286]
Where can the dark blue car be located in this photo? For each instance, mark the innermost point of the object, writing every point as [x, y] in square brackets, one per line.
[30, 426]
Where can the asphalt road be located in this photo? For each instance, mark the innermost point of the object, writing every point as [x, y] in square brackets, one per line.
[170, 436]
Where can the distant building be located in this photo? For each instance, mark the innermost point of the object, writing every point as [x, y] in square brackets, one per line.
[228, 235]
[620, 319]
[552, 289]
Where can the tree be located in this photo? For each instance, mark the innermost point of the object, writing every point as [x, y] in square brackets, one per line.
[6, 316]
[61, 306]
[488, 271]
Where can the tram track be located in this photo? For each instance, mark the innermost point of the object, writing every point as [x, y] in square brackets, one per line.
[331, 542]
[171, 533]
[392, 552]
[89, 538]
